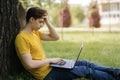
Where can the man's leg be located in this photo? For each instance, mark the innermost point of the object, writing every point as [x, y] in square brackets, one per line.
[113, 71]
[84, 71]
[61, 74]
[77, 72]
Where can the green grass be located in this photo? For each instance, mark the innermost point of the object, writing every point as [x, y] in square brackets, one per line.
[99, 47]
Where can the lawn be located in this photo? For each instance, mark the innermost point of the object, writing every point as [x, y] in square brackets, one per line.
[99, 47]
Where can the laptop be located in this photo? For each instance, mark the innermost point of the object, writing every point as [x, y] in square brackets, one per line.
[68, 64]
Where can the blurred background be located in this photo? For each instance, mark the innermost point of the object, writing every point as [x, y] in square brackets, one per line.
[77, 14]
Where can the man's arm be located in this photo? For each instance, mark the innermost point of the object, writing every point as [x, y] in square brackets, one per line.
[32, 64]
[52, 35]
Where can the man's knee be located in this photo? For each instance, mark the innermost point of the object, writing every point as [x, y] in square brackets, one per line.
[84, 61]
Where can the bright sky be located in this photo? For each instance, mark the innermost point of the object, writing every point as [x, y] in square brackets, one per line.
[82, 2]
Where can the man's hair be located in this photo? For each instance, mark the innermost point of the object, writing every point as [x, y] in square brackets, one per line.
[35, 12]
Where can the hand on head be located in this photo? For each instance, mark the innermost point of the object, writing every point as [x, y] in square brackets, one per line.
[45, 17]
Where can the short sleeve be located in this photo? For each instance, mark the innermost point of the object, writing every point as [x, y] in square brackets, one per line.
[39, 33]
[22, 45]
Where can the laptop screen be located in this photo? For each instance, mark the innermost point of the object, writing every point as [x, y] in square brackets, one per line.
[79, 51]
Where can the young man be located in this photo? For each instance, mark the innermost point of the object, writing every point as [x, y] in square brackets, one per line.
[30, 52]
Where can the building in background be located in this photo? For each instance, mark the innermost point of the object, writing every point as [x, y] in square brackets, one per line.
[109, 11]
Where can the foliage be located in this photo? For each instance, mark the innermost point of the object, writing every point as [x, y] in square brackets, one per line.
[53, 12]
[29, 3]
[78, 15]
[25, 3]
[49, 5]
[52, 9]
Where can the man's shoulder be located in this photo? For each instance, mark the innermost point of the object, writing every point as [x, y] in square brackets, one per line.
[20, 34]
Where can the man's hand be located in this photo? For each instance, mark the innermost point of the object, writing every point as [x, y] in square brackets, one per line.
[55, 60]
[45, 17]
[52, 35]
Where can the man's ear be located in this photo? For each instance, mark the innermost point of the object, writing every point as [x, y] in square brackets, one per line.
[31, 19]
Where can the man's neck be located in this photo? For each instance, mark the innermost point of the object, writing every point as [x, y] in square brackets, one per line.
[28, 28]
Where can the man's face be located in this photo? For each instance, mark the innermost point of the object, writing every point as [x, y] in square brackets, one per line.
[37, 23]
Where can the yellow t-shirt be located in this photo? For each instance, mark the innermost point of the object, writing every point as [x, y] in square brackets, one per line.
[31, 43]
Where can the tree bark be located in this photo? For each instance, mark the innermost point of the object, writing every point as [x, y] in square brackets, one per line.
[9, 27]
[21, 14]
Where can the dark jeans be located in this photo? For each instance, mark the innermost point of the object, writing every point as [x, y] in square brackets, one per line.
[85, 69]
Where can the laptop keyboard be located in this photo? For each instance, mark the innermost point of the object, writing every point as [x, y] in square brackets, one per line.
[69, 62]
[61, 63]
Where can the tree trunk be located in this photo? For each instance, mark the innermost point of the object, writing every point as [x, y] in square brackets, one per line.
[9, 27]
[64, 17]
[21, 13]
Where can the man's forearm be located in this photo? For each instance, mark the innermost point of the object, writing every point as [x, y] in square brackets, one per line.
[53, 32]
[39, 63]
